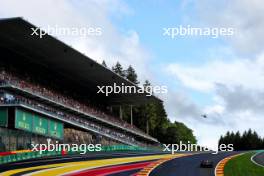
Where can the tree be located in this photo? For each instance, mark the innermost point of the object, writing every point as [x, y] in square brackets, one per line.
[221, 141]
[153, 119]
[118, 69]
[104, 64]
[150, 108]
[185, 134]
[248, 141]
[131, 75]
[237, 142]
[172, 135]
[177, 132]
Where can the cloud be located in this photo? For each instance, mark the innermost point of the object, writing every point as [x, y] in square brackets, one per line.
[178, 106]
[248, 73]
[237, 90]
[235, 78]
[240, 99]
[246, 16]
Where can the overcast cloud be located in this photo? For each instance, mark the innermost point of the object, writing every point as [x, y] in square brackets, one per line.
[246, 16]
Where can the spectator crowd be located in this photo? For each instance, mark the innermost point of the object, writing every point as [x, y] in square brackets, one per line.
[8, 78]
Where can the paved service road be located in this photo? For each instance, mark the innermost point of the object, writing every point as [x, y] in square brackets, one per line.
[190, 165]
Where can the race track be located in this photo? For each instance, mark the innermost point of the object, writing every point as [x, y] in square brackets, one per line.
[92, 164]
[115, 164]
[190, 165]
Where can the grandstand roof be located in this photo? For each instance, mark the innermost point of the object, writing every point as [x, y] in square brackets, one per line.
[15, 34]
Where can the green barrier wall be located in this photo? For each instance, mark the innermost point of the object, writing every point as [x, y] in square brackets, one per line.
[24, 120]
[38, 124]
[55, 129]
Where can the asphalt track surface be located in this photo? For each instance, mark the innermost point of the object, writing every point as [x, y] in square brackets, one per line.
[73, 158]
[190, 165]
[113, 164]
[106, 163]
[259, 158]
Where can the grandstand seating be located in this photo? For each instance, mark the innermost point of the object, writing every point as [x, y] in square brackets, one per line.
[58, 97]
[6, 78]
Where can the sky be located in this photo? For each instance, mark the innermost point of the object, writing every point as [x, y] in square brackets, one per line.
[222, 77]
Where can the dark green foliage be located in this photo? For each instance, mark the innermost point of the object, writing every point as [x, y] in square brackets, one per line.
[104, 64]
[248, 141]
[177, 132]
[118, 69]
[131, 75]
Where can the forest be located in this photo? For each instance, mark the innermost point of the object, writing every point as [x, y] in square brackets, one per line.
[249, 140]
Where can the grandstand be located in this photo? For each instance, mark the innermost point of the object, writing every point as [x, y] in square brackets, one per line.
[48, 90]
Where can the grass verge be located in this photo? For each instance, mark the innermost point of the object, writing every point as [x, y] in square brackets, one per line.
[243, 166]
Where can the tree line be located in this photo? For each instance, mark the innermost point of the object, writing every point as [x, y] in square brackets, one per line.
[152, 117]
[249, 140]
